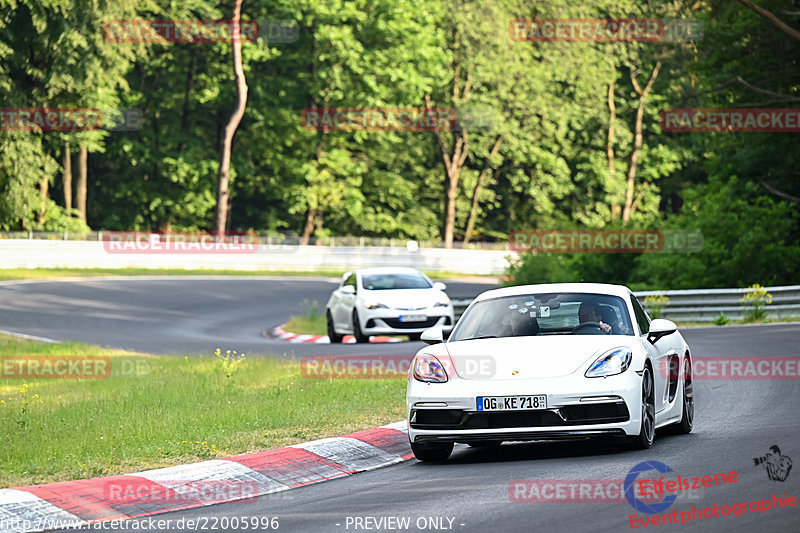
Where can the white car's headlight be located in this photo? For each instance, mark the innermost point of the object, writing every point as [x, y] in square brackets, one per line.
[613, 362]
[374, 304]
[429, 369]
[444, 301]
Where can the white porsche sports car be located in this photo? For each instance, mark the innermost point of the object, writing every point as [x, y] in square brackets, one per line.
[554, 361]
[386, 301]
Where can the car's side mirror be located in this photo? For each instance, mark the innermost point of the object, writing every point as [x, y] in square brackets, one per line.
[348, 289]
[660, 327]
[433, 335]
[439, 286]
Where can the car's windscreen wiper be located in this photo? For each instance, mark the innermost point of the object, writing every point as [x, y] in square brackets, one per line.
[481, 337]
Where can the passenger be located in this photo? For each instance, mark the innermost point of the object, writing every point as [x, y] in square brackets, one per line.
[523, 325]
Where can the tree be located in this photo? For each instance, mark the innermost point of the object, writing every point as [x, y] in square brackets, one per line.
[233, 122]
[630, 203]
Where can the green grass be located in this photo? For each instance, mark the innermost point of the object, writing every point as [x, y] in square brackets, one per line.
[311, 322]
[307, 325]
[48, 273]
[177, 410]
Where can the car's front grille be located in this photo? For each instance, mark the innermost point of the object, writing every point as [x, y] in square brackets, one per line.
[596, 413]
[396, 324]
[571, 415]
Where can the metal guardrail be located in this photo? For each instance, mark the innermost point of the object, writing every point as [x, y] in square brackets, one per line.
[706, 305]
[46, 253]
[459, 306]
[267, 239]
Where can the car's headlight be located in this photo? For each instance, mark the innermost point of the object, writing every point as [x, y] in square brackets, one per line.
[613, 362]
[429, 369]
[374, 304]
[444, 301]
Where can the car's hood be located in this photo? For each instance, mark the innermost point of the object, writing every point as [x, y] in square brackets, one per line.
[404, 298]
[528, 357]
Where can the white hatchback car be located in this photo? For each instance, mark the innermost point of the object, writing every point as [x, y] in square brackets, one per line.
[387, 301]
[556, 361]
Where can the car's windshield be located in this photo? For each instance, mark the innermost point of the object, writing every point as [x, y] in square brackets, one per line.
[379, 282]
[545, 314]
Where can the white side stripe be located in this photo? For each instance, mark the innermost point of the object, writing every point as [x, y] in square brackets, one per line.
[352, 453]
[22, 511]
[177, 477]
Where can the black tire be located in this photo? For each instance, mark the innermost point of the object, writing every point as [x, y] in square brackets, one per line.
[485, 444]
[357, 333]
[433, 452]
[334, 337]
[648, 415]
[414, 336]
[686, 423]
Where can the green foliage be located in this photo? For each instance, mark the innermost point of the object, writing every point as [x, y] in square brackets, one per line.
[310, 308]
[310, 321]
[655, 304]
[228, 363]
[16, 408]
[747, 234]
[756, 299]
[721, 320]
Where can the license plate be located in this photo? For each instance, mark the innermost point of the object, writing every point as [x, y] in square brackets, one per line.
[511, 403]
[413, 318]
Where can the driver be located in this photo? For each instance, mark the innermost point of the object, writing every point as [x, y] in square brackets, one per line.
[590, 312]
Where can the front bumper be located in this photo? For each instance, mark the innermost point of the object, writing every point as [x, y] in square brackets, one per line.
[387, 321]
[447, 412]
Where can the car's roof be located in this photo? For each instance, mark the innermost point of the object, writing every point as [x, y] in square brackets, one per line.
[588, 288]
[387, 270]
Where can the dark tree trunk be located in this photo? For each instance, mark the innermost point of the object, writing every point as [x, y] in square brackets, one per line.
[224, 177]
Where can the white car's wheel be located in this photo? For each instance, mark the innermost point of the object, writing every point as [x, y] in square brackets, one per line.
[686, 422]
[334, 337]
[648, 413]
[357, 333]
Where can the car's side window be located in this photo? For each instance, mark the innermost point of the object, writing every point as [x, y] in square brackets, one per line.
[641, 316]
[350, 281]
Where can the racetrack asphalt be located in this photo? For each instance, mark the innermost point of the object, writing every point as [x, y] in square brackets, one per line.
[180, 315]
[736, 420]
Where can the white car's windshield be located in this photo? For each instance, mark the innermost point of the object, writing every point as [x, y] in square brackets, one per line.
[545, 314]
[379, 282]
